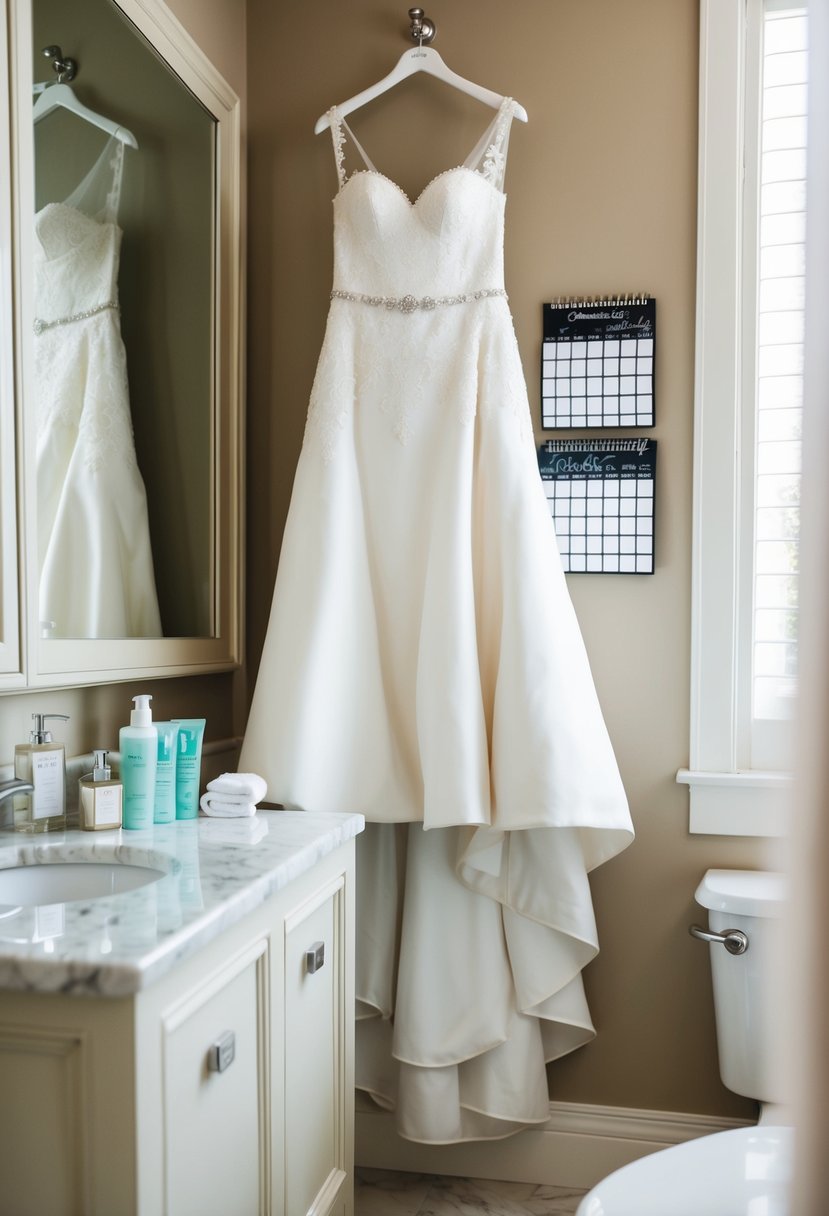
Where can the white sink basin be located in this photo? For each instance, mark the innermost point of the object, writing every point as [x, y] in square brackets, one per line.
[62, 882]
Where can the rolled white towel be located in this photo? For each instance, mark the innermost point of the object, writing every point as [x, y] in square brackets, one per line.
[231, 799]
[249, 786]
[226, 808]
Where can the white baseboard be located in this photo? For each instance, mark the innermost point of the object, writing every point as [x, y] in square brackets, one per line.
[577, 1147]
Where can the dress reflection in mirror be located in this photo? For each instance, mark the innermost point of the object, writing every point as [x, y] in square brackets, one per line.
[96, 565]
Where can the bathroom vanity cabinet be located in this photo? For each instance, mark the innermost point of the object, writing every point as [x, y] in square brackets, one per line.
[223, 1082]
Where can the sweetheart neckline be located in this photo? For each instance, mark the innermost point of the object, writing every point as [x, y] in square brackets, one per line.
[413, 202]
[95, 227]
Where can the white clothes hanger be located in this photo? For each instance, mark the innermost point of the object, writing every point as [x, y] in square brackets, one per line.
[60, 96]
[419, 59]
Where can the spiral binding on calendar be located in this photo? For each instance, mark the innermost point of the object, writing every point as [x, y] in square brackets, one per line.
[597, 445]
[617, 301]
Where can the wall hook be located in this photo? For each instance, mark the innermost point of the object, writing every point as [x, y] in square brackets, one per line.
[66, 68]
[422, 28]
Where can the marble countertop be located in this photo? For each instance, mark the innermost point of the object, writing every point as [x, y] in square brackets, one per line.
[215, 872]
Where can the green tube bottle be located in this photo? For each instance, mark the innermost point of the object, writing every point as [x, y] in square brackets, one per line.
[188, 766]
[165, 773]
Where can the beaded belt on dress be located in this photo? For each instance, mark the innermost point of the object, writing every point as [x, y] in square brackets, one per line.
[412, 303]
[40, 325]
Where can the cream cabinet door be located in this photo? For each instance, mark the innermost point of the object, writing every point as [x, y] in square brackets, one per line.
[41, 1123]
[213, 1107]
[315, 1165]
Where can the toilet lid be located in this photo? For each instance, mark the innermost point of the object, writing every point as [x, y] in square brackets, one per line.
[735, 1173]
[743, 892]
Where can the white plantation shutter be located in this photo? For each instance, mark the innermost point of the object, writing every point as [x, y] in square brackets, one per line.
[777, 390]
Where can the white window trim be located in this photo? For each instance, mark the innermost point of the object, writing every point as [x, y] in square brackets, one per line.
[726, 797]
[741, 803]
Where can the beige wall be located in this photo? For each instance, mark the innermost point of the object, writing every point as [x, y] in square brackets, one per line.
[97, 713]
[219, 27]
[601, 190]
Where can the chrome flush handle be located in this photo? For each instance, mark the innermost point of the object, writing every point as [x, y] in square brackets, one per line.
[734, 940]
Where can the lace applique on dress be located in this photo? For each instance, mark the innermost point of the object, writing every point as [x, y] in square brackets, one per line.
[332, 393]
[95, 420]
[495, 156]
[338, 139]
[400, 388]
[116, 164]
[61, 227]
[323, 426]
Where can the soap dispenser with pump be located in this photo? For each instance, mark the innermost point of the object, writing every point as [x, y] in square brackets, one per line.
[42, 763]
[99, 797]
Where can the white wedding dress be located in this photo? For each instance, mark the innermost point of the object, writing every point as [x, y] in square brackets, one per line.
[96, 566]
[423, 665]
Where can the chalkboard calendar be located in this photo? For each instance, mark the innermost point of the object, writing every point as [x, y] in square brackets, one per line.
[601, 497]
[597, 362]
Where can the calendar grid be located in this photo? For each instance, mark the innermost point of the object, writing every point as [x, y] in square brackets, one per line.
[601, 498]
[597, 364]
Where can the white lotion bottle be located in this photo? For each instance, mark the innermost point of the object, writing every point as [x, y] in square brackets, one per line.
[139, 752]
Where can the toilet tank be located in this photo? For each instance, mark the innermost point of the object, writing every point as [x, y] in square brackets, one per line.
[747, 987]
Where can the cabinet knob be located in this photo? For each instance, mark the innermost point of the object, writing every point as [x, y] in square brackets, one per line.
[222, 1053]
[315, 957]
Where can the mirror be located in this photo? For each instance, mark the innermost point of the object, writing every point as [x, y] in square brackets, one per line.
[123, 292]
[128, 310]
[127, 235]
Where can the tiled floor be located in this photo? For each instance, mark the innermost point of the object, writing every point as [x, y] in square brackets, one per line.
[386, 1193]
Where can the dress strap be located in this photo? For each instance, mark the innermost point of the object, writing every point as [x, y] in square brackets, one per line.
[99, 194]
[116, 163]
[489, 156]
[339, 128]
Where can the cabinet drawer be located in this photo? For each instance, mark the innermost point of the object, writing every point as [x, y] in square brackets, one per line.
[314, 1165]
[212, 1103]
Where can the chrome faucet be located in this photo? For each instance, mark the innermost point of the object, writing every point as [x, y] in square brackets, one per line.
[15, 786]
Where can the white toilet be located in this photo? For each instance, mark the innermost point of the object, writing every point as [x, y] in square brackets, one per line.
[746, 1171]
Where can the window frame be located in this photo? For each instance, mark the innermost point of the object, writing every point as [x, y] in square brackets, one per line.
[727, 795]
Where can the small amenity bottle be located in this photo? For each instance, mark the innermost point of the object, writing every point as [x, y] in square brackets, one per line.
[139, 751]
[43, 763]
[99, 797]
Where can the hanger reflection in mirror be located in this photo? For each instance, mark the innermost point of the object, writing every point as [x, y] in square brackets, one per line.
[61, 96]
[419, 59]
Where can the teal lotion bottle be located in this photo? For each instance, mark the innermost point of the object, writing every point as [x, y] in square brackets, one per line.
[165, 773]
[188, 766]
[139, 759]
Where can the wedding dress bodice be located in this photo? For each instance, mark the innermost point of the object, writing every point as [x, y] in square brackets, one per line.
[76, 262]
[448, 241]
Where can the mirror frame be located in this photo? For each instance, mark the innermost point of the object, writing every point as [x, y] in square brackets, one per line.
[11, 673]
[68, 662]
